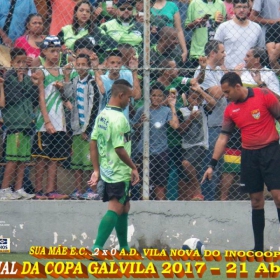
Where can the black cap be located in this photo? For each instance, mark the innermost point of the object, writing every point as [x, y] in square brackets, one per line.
[88, 43]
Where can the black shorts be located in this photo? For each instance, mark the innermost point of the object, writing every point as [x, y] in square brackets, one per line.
[51, 146]
[120, 191]
[272, 33]
[259, 167]
[159, 169]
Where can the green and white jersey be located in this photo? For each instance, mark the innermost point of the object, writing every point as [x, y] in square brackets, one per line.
[112, 130]
[54, 103]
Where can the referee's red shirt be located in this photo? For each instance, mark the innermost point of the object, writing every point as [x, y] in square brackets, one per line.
[255, 117]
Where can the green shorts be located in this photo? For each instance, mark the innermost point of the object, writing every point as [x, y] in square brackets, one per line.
[80, 159]
[231, 168]
[18, 147]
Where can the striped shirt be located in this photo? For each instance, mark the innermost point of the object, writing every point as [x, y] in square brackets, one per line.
[81, 99]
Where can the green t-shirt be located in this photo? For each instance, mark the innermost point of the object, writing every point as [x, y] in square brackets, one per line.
[112, 130]
[169, 10]
[197, 9]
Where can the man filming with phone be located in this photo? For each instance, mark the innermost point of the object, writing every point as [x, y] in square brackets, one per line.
[204, 16]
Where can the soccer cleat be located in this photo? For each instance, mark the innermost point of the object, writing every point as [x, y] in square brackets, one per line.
[24, 194]
[8, 194]
[90, 195]
[76, 194]
[56, 195]
[40, 195]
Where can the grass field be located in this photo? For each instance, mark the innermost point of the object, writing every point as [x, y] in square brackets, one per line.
[182, 267]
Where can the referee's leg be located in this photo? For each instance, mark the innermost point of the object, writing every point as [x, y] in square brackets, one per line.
[257, 203]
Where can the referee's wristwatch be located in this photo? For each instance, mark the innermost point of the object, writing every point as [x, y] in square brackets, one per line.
[262, 85]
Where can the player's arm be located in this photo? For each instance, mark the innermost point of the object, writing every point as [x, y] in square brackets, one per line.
[2, 93]
[95, 163]
[123, 155]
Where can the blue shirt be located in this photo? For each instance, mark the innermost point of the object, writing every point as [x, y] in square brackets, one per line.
[22, 10]
[107, 82]
[159, 122]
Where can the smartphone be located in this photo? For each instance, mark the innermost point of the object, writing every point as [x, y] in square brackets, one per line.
[207, 16]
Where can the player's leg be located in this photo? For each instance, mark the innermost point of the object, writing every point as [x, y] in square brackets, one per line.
[122, 227]
[258, 222]
[118, 195]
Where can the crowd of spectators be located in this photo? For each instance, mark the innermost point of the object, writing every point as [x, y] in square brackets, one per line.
[60, 59]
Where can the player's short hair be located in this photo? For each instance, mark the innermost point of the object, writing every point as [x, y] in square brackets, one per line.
[119, 86]
[212, 45]
[235, 2]
[260, 53]
[82, 55]
[232, 79]
[15, 52]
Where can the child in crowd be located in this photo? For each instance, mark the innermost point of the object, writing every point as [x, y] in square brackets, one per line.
[194, 130]
[161, 117]
[85, 93]
[18, 98]
[51, 142]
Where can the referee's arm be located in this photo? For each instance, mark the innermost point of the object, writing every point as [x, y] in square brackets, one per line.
[219, 150]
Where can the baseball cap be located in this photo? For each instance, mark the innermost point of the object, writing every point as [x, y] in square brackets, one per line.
[50, 41]
[87, 43]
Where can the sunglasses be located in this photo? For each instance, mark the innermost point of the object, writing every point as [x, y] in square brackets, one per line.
[122, 9]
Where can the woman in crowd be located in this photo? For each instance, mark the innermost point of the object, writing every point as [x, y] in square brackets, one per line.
[32, 37]
[82, 25]
[170, 12]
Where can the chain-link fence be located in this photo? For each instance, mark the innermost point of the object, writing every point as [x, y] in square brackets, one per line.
[60, 58]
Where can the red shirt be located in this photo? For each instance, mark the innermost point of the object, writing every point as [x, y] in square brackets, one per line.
[22, 43]
[255, 117]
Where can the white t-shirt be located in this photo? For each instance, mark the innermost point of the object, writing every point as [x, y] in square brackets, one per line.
[238, 40]
[267, 76]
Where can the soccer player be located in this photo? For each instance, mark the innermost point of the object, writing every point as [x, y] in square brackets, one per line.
[110, 154]
[253, 111]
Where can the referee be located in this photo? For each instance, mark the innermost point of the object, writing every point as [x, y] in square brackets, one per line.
[254, 111]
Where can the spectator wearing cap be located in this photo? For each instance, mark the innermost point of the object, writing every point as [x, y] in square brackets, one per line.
[32, 37]
[124, 29]
[12, 27]
[51, 141]
[81, 26]
[170, 11]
